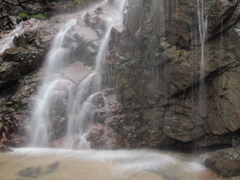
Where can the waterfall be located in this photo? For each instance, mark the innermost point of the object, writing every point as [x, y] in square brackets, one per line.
[56, 87]
[7, 39]
[202, 25]
[48, 92]
[81, 110]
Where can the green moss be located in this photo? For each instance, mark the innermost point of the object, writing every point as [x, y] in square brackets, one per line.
[178, 54]
[211, 4]
[23, 15]
[226, 112]
[38, 16]
[78, 2]
[209, 96]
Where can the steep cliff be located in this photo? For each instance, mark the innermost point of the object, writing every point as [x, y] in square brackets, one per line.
[156, 74]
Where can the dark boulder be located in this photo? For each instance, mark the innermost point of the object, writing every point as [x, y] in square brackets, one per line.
[4, 148]
[5, 21]
[15, 7]
[224, 162]
[28, 55]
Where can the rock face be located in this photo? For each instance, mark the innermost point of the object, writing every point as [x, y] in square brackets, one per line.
[4, 148]
[20, 75]
[27, 55]
[6, 22]
[14, 7]
[157, 73]
[225, 162]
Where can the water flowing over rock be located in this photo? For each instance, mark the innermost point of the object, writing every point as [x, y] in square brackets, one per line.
[166, 77]
[72, 105]
[26, 56]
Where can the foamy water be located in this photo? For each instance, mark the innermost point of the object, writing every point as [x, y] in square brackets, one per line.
[58, 164]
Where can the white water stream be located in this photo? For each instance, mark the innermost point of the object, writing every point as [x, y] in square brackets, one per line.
[7, 39]
[202, 25]
[82, 111]
[51, 82]
[79, 104]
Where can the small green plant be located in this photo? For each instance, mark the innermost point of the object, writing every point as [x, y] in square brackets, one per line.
[209, 96]
[38, 16]
[78, 2]
[212, 4]
[178, 54]
[23, 15]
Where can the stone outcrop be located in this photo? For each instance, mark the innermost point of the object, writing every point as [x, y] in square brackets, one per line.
[27, 55]
[20, 75]
[14, 7]
[157, 74]
[224, 162]
[4, 148]
[5, 21]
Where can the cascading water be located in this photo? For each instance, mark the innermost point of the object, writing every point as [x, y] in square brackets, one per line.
[49, 91]
[6, 41]
[79, 109]
[202, 25]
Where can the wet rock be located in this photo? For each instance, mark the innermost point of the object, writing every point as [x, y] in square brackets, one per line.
[4, 148]
[15, 7]
[225, 162]
[26, 56]
[15, 54]
[6, 22]
[77, 71]
[15, 108]
[221, 15]
[17, 142]
[105, 138]
[183, 124]
[156, 74]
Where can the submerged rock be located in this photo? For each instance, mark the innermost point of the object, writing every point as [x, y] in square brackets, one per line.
[36, 172]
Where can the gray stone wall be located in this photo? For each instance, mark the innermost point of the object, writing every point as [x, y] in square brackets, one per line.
[14, 7]
[9, 8]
